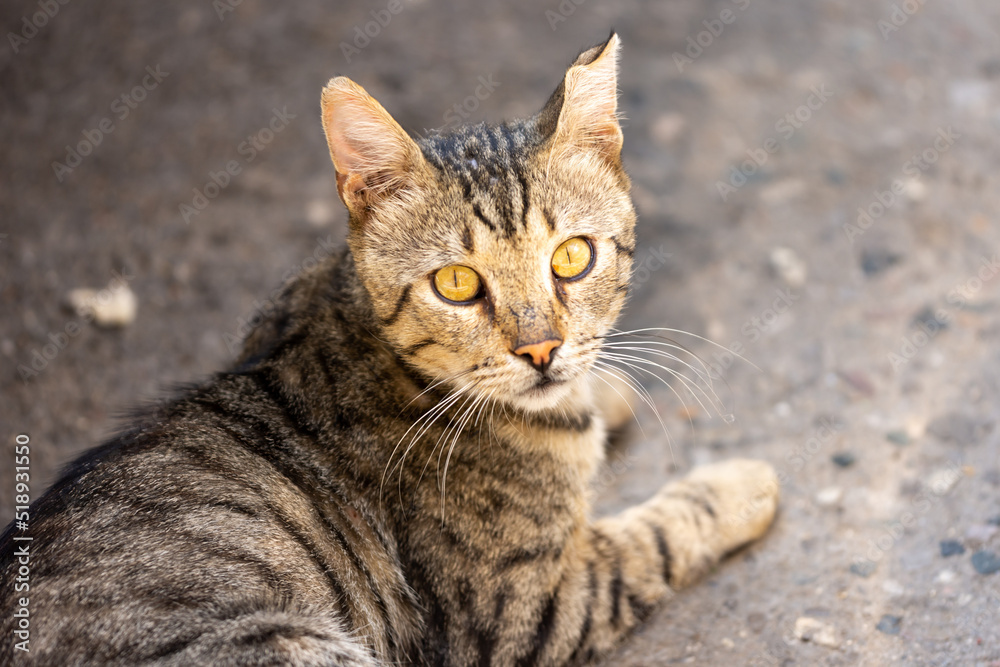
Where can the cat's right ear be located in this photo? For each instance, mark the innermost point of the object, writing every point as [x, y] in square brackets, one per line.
[374, 157]
[582, 114]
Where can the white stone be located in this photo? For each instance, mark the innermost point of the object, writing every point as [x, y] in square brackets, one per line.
[667, 128]
[789, 266]
[893, 587]
[782, 191]
[914, 189]
[829, 496]
[945, 576]
[319, 213]
[812, 630]
[110, 307]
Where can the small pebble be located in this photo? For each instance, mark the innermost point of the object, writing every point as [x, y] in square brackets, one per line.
[898, 437]
[667, 128]
[835, 175]
[789, 266]
[927, 319]
[815, 631]
[889, 625]
[727, 643]
[877, 260]
[986, 562]
[110, 307]
[915, 189]
[756, 622]
[782, 191]
[942, 481]
[858, 381]
[844, 459]
[960, 428]
[319, 213]
[945, 576]
[980, 532]
[893, 587]
[951, 548]
[863, 568]
[971, 95]
[829, 496]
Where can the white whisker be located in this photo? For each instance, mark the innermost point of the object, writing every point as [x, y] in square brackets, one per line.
[689, 384]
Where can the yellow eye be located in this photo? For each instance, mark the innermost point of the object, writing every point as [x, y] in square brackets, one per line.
[572, 258]
[457, 283]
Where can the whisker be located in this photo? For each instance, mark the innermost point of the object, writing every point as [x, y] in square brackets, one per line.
[442, 437]
[705, 373]
[648, 372]
[623, 375]
[715, 400]
[435, 383]
[601, 367]
[429, 418]
[465, 420]
[617, 332]
[686, 382]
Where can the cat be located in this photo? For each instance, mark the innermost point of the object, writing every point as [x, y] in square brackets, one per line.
[395, 469]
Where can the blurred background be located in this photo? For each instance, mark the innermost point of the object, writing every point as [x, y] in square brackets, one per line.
[817, 191]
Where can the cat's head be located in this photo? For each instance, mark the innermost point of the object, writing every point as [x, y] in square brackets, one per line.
[496, 256]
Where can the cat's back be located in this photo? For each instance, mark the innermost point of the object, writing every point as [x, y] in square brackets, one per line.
[218, 523]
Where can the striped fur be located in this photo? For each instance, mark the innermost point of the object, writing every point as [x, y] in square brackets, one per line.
[379, 479]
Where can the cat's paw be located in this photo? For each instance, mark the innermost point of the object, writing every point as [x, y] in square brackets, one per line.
[745, 499]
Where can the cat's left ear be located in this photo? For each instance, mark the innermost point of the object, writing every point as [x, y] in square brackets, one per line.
[374, 157]
[582, 114]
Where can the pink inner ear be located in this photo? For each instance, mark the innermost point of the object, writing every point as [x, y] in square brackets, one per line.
[370, 150]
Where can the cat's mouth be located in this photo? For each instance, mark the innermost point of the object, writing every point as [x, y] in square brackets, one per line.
[544, 384]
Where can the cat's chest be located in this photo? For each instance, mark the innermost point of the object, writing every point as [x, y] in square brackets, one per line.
[574, 444]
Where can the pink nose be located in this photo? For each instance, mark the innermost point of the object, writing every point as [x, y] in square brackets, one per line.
[539, 354]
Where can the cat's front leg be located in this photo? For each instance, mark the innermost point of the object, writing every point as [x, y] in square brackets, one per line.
[621, 568]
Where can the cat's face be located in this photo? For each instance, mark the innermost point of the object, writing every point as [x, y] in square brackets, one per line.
[497, 256]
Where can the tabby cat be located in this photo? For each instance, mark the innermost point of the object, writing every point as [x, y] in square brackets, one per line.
[395, 470]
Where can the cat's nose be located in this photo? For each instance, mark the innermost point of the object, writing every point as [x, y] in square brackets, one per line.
[539, 354]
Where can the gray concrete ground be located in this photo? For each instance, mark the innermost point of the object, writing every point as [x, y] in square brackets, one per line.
[755, 132]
